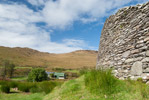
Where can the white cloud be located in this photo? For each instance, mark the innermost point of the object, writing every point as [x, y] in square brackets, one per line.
[18, 28]
[63, 13]
[88, 20]
[59, 47]
[74, 43]
[17, 12]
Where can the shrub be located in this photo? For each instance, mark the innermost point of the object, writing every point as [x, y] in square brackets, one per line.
[3, 82]
[83, 71]
[37, 75]
[47, 87]
[13, 84]
[99, 81]
[34, 88]
[25, 87]
[5, 88]
[140, 80]
[75, 75]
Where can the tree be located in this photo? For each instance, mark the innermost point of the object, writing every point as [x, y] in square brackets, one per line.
[7, 69]
[37, 75]
[10, 70]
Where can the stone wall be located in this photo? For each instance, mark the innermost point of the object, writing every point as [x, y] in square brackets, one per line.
[124, 43]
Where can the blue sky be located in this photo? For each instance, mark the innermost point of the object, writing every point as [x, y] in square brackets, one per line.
[56, 26]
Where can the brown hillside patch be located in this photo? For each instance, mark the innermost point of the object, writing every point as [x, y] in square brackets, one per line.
[34, 58]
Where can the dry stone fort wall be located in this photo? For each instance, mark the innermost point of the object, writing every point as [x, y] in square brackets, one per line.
[124, 43]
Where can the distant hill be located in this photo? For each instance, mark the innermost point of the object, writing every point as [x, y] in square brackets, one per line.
[26, 57]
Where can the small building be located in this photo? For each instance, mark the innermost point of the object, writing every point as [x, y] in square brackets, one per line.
[59, 75]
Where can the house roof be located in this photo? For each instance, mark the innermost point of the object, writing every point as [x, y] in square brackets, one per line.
[49, 73]
[59, 74]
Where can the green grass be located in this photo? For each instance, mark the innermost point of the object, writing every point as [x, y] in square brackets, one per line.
[103, 82]
[0, 88]
[21, 96]
[72, 90]
[118, 89]
[73, 71]
[19, 78]
[41, 90]
[93, 85]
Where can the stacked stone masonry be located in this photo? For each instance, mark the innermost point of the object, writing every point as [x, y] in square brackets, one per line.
[124, 43]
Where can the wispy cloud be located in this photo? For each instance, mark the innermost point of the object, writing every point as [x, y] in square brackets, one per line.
[37, 2]
[62, 13]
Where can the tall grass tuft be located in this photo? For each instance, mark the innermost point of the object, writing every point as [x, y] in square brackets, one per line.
[144, 89]
[103, 82]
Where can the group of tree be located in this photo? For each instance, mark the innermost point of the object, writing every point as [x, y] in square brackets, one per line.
[7, 69]
[37, 75]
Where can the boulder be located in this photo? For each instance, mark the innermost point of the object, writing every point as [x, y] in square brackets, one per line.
[136, 68]
[147, 53]
[126, 54]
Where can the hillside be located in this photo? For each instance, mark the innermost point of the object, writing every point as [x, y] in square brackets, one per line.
[33, 58]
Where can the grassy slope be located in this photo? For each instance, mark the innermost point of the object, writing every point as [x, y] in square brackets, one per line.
[29, 57]
[75, 90]
[71, 90]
